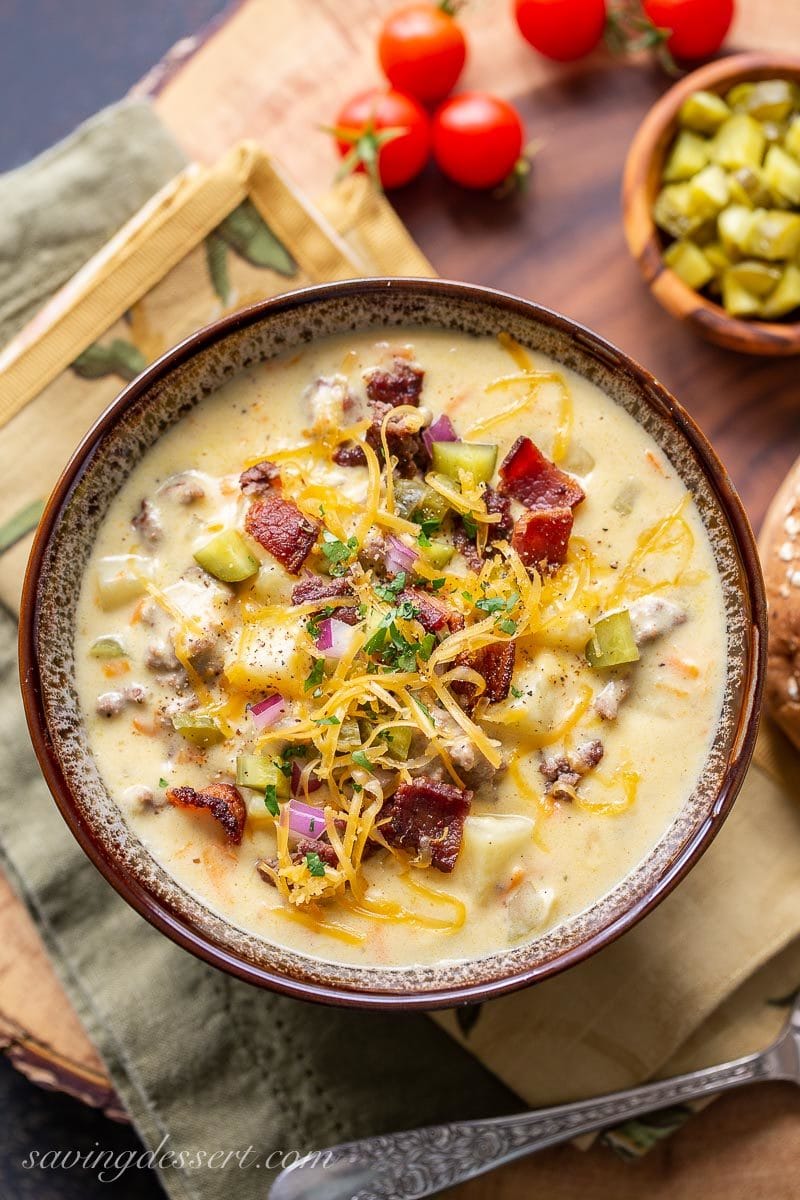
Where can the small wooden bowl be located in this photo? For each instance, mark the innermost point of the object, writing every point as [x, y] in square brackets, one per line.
[641, 181]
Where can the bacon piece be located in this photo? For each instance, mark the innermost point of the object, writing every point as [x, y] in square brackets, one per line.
[433, 614]
[315, 846]
[223, 801]
[386, 390]
[426, 817]
[465, 542]
[349, 454]
[495, 663]
[260, 479]
[401, 385]
[279, 526]
[542, 536]
[315, 587]
[528, 476]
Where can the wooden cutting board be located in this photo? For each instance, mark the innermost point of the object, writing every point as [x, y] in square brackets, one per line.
[274, 70]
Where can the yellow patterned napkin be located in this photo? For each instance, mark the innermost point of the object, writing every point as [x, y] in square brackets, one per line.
[704, 977]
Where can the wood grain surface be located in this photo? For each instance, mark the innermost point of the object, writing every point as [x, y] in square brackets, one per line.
[274, 71]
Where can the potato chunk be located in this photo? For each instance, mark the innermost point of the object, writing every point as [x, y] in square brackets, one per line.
[270, 656]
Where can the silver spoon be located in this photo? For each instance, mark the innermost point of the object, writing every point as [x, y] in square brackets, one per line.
[420, 1162]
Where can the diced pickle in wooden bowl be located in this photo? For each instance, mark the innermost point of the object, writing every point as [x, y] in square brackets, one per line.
[730, 195]
[711, 202]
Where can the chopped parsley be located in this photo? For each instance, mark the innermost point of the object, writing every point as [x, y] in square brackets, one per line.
[315, 864]
[422, 707]
[515, 692]
[491, 604]
[359, 757]
[470, 525]
[287, 754]
[437, 583]
[423, 539]
[507, 626]
[271, 800]
[337, 552]
[425, 649]
[390, 591]
[428, 525]
[315, 675]
[328, 721]
[162, 783]
[313, 623]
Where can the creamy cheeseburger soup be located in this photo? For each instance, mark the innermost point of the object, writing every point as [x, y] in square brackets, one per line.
[396, 652]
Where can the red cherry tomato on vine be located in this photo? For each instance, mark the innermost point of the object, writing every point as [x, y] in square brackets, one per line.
[384, 133]
[698, 26]
[422, 51]
[562, 29]
[477, 139]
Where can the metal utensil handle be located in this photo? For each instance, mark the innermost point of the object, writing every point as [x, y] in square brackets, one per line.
[419, 1162]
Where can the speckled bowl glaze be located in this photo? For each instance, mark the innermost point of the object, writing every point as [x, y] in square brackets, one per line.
[159, 398]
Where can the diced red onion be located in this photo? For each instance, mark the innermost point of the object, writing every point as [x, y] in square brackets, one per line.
[399, 556]
[312, 782]
[441, 430]
[267, 712]
[305, 820]
[335, 637]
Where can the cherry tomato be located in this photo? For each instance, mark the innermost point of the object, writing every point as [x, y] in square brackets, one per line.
[477, 139]
[698, 26]
[366, 132]
[562, 29]
[422, 51]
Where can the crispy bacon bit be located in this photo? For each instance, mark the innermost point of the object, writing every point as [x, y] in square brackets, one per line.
[528, 476]
[279, 526]
[349, 454]
[496, 664]
[315, 846]
[315, 587]
[432, 613]
[465, 542]
[426, 817]
[222, 800]
[387, 390]
[542, 536]
[401, 385]
[260, 479]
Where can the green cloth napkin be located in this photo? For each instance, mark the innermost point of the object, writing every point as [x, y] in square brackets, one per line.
[202, 1063]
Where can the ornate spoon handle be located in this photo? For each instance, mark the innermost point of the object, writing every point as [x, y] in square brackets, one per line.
[419, 1162]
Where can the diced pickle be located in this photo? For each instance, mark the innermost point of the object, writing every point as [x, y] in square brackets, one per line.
[674, 211]
[626, 497]
[709, 191]
[715, 254]
[612, 642]
[786, 296]
[349, 735]
[752, 183]
[688, 156]
[120, 578]
[734, 227]
[398, 738]
[199, 728]
[757, 277]
[438, 554]
[782, 174]
[738, 143]
[764, 99]
[227, 557]
[259, 772]
[772, 234]
[689, 263]
[451, 457]
[736, 299]
[414, 500]
[791, 140]
[107, 647]
[703, 112]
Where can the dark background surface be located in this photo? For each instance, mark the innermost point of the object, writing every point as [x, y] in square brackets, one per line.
[59, 63]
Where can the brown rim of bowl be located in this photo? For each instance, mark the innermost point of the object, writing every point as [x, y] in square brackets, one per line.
[159, 913]
[645, 242]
